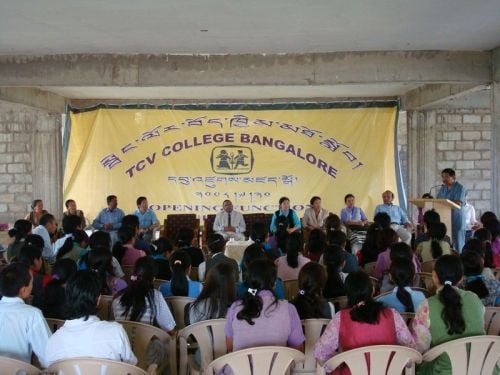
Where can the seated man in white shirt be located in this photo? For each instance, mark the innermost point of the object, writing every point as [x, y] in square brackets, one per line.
[399, 220]
[84, 334]
[23, 329]
[230, 223]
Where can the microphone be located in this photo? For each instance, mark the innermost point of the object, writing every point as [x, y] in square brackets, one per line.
[434, 187]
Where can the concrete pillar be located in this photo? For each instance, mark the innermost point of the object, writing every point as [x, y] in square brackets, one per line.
[421, 152]
[495, 132]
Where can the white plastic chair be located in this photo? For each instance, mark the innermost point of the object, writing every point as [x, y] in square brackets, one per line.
[384, 359]
[177, 306]
[211, 341]
[104, 308]
[492, 321]
[475, 355]
[313, 328]
[140, 335]
[11, 366]
[291, 289]
[84, 366]
[54, 324]
[271, 360]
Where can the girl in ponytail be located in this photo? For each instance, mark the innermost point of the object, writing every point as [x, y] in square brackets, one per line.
[21, 229]
[124, 250]
[436, 245]
[260, 318]
[450, 314]
[402, 298]
[180, 284]
[366, 322]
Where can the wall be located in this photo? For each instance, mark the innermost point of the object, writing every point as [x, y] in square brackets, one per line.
[30, 160]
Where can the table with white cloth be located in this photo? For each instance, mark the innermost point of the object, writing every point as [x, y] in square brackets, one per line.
[235, 249]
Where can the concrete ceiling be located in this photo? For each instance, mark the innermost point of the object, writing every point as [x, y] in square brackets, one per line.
[242, 26]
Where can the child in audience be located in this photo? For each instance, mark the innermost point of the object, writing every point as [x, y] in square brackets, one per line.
[261, 319]
[366, 322]
[334, 260]
[218, 293]
[52, 300]
[402, 298]
[488, 290]
[451, 314]
[99, 260]
[22, 327]
[83, 334]
[21, 229]
[290, 264]
[252, 253]
[141, 302]
[309, 302]
[436, 245]
[180, 284]
[124, 250]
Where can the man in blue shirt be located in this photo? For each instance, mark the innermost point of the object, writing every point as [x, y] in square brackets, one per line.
[110, 218]
[147, 219]
[399, 220]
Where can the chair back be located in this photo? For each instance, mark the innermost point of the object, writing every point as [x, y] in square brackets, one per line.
[158, 282]
[211, 341]
[426, 281]
[408, 317]
[313, 328]
[492, 321]
[174, 222]
[177, 306]
[11, 366]
[291, 288]
[251, 219]
[272, 360]
[475, 355]
[428, 266]
[140, 335]
[208, 230]
[54, 324]
[383, 359]
[83, 366]
[369, 268]
[340, 302]
[105, 309]
[193, 274]
[128, 270]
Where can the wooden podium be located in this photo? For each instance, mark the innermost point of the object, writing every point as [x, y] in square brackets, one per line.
[442, 206]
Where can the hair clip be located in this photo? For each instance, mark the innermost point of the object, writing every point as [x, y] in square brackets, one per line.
[448, 282]
[253, 292]
[55, 277]
[133, 277]
[177, 261]
[302, 292]
[360, 303]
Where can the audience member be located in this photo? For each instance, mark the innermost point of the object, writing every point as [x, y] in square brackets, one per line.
[23, 329]
[259, 318]
[488, 290]
[430, 217]
[180, 284]
[435, 246]
[471, 223]
[494, 227]
[316, 244]
[337, 237]
[36, 213]
[229, 223]
[141, 302]
[124, 250]
[70, 224]
[100, 262]
[216, 245]
[148, 221]
[369, 251]
[83, 334]
[162, 251]
[185, 243]
[334, 260]
[76, 247]
[21, 229]
[474, 245]
[290, 264]
[314, 216]
[132, 222]
[31, 256]
[388, 237]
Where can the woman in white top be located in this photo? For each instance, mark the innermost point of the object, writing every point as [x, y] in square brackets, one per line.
[314, 216]
[141, 302]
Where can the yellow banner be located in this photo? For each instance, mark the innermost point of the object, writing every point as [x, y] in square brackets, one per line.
[189, 161]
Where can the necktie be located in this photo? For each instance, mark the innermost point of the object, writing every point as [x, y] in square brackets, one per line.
[229, 219]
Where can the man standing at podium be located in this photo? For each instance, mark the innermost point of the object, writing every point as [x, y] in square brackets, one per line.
[455, 192]
[230, 223]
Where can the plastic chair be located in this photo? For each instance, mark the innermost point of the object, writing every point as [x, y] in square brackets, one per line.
[428, 266]
[174, 222]
[384, 359]
[11, 366]
[369, 268]
[492, 321]
[193, 274]
[272, 360]
[426, 281]
[291, 288]
[340, 302]
[140, 334]
[85, 365]
[211, 341]
[104, 308]
[54, 324]
[177, 307]
[475, 355]
[408, 317]
[313, 328]
[158, 282]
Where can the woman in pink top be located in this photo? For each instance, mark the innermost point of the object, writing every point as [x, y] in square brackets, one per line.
[124, 250]
[100, 261]
[290, 264]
